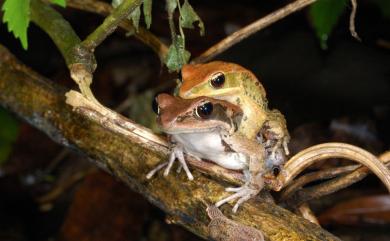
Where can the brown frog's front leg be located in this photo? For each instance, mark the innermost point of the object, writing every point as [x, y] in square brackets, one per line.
[177, 152]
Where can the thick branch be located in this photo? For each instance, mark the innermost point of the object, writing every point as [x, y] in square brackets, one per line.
[38, 101]
[250, 29]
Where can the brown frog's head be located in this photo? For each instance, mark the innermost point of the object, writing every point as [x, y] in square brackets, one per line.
[202, 114]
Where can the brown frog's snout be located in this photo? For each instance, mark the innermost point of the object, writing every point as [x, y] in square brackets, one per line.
[164, 101]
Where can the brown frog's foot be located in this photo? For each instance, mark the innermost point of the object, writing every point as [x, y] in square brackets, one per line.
[243, 194]
[155, 170]
[176, 153]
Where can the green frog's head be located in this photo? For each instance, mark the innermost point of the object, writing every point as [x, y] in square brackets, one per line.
[218, 79]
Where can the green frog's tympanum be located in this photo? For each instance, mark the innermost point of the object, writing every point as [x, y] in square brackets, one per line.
[239, 86]
[205, 128]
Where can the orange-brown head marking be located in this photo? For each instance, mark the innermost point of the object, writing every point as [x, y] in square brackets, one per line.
[197, 74]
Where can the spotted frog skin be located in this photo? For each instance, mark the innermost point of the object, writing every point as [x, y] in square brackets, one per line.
[205, 128]
[239, 86]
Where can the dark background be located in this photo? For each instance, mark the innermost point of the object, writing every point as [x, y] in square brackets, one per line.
[341, 93]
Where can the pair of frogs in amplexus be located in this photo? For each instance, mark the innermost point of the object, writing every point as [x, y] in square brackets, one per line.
[221, 115]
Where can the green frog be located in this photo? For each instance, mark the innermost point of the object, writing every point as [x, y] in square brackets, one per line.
[206, 129]
[239, 86]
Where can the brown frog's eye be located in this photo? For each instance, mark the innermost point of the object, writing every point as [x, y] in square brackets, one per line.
[155, 107]
[217, 80]
[205, 110]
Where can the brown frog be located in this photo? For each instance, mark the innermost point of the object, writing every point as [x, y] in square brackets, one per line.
[205, 128]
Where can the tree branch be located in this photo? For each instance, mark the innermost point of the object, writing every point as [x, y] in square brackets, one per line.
[59, 30]
[80, 60]
[105, 9]
[250, 29]
[110, 23]
[41, 103]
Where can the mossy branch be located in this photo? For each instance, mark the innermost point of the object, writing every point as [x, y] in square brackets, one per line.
[129, 157]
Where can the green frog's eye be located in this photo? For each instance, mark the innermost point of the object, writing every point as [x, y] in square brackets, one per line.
[217, 80]
[205, 110]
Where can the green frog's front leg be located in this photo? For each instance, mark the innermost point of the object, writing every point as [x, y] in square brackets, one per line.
[254, 183]
[253, 174]
[275, 132]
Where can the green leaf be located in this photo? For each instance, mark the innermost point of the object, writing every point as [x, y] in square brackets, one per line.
[188, 17]
[148, 12]
[9, 130]
[17, 17]
[177, 54]
[171, 5]
[135, 16]
[324, 15]
[61, 3]
[384, 6]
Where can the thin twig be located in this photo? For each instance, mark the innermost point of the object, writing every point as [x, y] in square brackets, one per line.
[333, 185]
[250, 29]
[352, 21]
[81, 72]
[315, 176]
[59, 30]
[305, 158]
[305, 211]
[105, 9]
[110, 23]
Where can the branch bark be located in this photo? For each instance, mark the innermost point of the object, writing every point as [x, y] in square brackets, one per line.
[41, 103]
